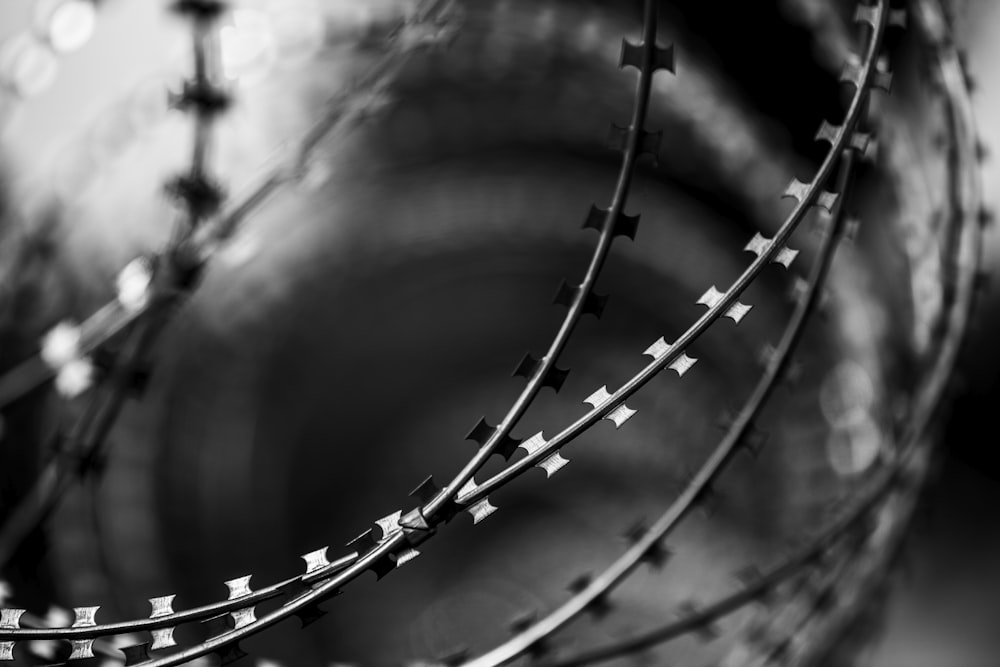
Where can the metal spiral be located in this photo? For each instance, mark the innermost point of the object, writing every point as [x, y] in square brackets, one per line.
[850, 549]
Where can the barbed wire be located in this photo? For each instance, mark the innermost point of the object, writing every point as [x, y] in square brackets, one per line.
[396, 537]
[165, 279]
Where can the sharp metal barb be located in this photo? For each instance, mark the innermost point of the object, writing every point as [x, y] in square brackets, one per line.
[785, 257]
[506, 446]
[389, 525]
[136, 653]
[309, 615]
[11, 618]
[240, 587]
[468, 488]
[81, 649]
[759, 245]
[600, 606]
[713, 297]
[162, 638]
[534, 443]
[618, 415]
[405, 556]
[799, 191]
[553, 464]
[481, 432]
[659, 349]
[316, 560]
[621, 224]
[481, 510]
[426, 490]
[84, 617]
[364, 542]
[244, 617]
[633, 55]
[828, 132]
[826, 200]
[648, 143]
[682, 364]
[555, 377]
[657, 555]
[863, 143]
[162, 606]
[527, 367]
[593, 303]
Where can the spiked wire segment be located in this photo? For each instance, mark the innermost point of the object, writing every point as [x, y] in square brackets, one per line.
[606, 405]
[143, 296]
[204, 98]
[395, 538]
[647, 543]
[646, 57]
[194, 243]
[838, 586]
[431, 23]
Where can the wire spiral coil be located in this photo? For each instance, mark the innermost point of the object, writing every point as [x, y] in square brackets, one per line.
[397, 537]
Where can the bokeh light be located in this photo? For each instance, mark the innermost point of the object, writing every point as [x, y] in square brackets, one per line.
[70, 24]
[27, 67]
[248, 48]
[299, 34]
[846, 395]
[853, 449]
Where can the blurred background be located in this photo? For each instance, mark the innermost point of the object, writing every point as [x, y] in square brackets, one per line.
[85, 126]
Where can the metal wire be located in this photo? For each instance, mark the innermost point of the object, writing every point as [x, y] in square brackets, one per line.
[402, 532]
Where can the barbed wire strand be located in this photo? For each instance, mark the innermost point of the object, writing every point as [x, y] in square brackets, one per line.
[805, 195]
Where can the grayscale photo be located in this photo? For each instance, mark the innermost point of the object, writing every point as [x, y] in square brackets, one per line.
[470, 333]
